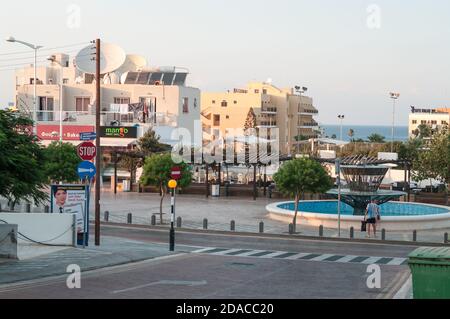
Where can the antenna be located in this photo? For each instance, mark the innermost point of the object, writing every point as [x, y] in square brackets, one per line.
[133, 63]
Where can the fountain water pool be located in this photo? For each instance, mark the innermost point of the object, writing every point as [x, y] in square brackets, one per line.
[395, 216]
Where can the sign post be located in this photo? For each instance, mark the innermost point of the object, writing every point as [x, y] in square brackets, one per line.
[172, 185]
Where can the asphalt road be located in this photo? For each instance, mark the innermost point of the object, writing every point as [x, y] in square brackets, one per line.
[219, 274]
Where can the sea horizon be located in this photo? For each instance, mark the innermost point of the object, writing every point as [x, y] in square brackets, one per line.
[364, 131]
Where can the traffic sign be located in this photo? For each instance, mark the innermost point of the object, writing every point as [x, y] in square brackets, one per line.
[86, 169]
[88, 136]
[175, 173]
[87, 151]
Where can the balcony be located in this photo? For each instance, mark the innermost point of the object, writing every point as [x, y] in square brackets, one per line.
[312, 124]
[269, 110]
[106, 118]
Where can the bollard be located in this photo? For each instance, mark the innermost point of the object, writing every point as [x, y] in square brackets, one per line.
[74, 231]
[383, 234]
[233, 225]
[46, 209]
[352, 232]
[153, 220]
[106, 216]
[321, 231]
[415, 235]
[179, 222]
[28, 208]
[129, 218]
[261, 227]
[205, 223]
[446, 238]
[291, 229]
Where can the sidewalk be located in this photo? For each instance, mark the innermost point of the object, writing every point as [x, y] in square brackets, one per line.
[113, 251]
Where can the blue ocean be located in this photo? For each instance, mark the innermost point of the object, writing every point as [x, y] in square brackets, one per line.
[363, 132]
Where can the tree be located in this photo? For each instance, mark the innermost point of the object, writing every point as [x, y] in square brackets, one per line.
[130, 161]
[376, 138]
[250, 121]
[61, 162]
[434, 162]
[423, 131]
[296, 177]
[157, 170]
[149, 144]
[21, 173]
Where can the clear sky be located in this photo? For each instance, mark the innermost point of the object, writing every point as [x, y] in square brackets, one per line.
[350, 54]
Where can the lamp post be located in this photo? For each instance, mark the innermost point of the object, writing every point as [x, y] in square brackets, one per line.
[300, 90]
[341, 118]
[394, 96]
[35, 48]
[52, 58]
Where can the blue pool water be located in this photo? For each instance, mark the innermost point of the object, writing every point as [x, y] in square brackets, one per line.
[388, 209]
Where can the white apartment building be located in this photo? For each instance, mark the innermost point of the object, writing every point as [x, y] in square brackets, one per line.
[434, 118]
[141, 98]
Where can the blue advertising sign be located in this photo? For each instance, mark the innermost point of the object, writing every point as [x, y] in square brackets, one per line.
[88, 136]
[86, 169]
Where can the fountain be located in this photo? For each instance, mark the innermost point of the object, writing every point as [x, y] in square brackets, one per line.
[363, 177]
[363, 183]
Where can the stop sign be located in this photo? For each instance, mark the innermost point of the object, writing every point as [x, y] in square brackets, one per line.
[87, 151]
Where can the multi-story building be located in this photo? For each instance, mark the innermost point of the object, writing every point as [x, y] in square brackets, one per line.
[278, 108]
[132, 102]
[148, 98]
[434, 118]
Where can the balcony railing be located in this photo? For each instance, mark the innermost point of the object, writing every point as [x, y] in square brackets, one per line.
[108, 118]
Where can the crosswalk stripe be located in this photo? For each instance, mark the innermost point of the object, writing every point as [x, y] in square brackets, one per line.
[396, 261]
[322, 257]
[226, 252]
[274, 254]
[284, 255]
[297, 256]
[371, 260]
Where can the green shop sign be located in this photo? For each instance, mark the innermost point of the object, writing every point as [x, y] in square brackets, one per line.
[118, 131]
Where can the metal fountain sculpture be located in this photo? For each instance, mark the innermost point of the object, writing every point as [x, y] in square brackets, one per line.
[363, 177]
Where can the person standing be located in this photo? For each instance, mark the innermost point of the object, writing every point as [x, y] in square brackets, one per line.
[372, 215]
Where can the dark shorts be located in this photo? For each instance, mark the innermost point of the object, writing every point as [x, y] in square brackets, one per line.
[372, 221]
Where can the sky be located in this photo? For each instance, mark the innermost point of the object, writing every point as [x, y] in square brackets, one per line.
[350, 54]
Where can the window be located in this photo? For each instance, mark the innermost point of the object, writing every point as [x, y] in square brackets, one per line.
[121, 100]
[65, 81]
[264, 91]
[256, 91]
[433, 122]
[423, 122]
[228, 117]
[45, 108]
[235, 102]
[216, 120]
[213, 101]
[82, 104]
[414, 121]
[224, 103]
[185, 105]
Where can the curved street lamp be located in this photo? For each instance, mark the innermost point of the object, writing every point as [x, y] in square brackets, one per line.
[35, 48]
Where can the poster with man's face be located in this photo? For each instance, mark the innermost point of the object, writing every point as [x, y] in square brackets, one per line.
[70, 199]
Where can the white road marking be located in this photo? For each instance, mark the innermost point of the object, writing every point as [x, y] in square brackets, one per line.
[371, 260]
[322, 257]
[346, 259]
[396, 261]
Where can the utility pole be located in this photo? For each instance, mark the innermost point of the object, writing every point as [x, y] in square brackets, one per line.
[97, 143]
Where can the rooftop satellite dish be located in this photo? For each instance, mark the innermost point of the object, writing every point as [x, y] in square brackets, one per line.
[111, 58]
[133, 63]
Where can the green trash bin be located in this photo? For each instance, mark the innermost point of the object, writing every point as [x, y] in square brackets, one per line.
[430, 268]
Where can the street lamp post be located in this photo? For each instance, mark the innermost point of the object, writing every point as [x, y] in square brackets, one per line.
[341, 118]
[35, 48]
[53, 60]
[300, 90]
[394, 96]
